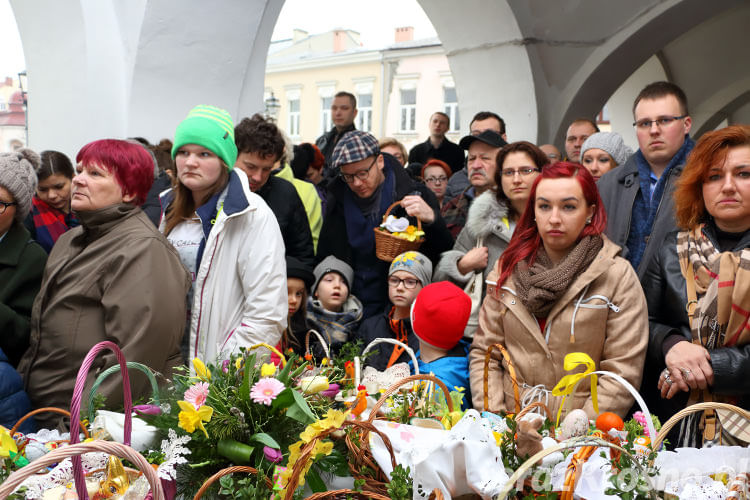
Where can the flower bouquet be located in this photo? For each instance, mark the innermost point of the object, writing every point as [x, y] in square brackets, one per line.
[243, 411]
[396, 236]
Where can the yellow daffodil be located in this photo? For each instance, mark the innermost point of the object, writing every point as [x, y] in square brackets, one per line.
[7, 443]
[498, 438]
[191, 419]
[201, 370]
[320, 448]
[313, 385]
[451, 419]
[267, 370]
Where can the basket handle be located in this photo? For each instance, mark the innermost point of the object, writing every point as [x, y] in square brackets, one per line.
[406, 380]
[307, 449]
[75, 450]
[348, 494]
[386, 340]
[224, 472]
[667, 426]
[75, 406]
[576, 442]
[533, 406]
[320, 339]
[43, 410]
[270, 348]
[633, 392]
[392, 206]
[511, 372]
[114, 369]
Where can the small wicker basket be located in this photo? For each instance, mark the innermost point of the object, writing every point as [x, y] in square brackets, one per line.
[388, 247]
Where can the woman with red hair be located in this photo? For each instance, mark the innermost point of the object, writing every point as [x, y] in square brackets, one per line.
[698, 292]
[560, 287]
[112, 278]
[435, 174]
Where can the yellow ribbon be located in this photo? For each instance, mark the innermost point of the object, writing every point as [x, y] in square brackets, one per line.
[567, 384]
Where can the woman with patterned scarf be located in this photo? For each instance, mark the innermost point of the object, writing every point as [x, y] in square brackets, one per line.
[50, 214]
[561, 287]
[698, 293]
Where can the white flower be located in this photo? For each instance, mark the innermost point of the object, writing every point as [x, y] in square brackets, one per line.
[395, 225]
[174, 450]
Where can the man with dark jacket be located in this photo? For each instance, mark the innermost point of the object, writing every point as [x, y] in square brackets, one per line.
[438, 146]
[638, 195]
[367, 184]
[343, 112]
[259, 146]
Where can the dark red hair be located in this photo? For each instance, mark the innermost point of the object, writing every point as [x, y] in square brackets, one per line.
[131, 164]
[526, 240]
[434, 162]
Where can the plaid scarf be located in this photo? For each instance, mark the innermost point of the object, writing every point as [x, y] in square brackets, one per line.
[50, 223]
[722, 282]
[722, 285]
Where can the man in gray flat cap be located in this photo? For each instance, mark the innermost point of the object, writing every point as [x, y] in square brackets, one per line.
[366, 185]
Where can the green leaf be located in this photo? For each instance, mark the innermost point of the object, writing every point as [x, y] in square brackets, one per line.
[314, 481]
[299, 410]
[283, 375]
[283, 400]
[245, 386]
[265, 439]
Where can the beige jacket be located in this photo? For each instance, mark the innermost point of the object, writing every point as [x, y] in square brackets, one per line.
[602, 314]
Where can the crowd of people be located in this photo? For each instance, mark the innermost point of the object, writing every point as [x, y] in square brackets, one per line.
[184, 250]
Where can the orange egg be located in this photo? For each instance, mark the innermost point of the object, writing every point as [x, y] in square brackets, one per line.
[608, 420]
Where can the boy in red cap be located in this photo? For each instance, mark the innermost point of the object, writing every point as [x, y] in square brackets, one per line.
[438, 317]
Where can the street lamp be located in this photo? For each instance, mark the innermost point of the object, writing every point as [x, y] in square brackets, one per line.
[23, 82]
[272, 107]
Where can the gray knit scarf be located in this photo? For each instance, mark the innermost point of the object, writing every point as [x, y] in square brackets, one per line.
[541, 285]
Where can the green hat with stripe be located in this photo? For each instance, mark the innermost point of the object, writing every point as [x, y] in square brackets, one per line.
[210, 127]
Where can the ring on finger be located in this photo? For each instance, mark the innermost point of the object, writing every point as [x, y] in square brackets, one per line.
[665, 373]
[668, 379]
[685, 372]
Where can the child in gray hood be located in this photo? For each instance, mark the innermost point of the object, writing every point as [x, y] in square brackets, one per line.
[332, 310]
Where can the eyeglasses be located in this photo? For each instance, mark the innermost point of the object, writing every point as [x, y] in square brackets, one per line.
[525, 171]
[361, 175]
[394, 282]
[436, 180]
[4, 206]
[663, 121]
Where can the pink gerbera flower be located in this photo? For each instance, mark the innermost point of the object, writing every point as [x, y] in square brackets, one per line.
[197, 394]
[265, 390]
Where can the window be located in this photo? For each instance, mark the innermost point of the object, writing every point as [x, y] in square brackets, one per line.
[408, 110]
[325, 114]
[603, 117]
[364, 115]
[293, 121]
[450, 102]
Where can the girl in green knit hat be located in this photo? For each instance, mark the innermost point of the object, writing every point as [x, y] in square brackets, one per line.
[228, 239]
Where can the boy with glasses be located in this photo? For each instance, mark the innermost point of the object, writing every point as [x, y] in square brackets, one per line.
[638, 194]
[409, 272]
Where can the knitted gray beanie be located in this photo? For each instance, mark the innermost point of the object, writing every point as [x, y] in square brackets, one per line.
[611, 142]
[18, 175]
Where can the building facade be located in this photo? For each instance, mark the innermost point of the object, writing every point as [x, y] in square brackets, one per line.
[397, 87]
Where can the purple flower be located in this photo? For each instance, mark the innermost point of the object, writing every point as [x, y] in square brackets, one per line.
[225, 366]
[331, 392]
[147, 409]
[272, 454]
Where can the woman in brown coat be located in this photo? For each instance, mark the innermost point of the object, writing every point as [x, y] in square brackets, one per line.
[561, 288]
[113, 278]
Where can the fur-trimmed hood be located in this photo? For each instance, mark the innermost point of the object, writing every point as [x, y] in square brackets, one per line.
[486, 216]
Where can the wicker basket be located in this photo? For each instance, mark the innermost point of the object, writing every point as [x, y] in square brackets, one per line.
[408, 380]
[587, 445]
[44, 410]
[511, 372]
[224, 472]
[75, 450]
[387, 246]
[343, 494]
[669, 424]
[357, 440]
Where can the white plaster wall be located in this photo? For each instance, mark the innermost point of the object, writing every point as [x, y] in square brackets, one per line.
[620, 105]
[741, 115]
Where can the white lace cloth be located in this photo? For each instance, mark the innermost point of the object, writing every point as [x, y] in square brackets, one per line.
[375, 380]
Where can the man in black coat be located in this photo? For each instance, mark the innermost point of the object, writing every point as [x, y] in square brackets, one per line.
[367, 184]
[260, 145]
[343, 112]
[437, 145]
